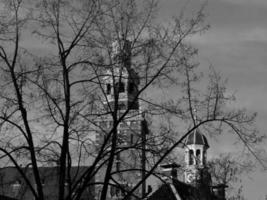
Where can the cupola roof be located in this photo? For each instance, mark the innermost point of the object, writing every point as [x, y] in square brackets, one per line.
[196, 137]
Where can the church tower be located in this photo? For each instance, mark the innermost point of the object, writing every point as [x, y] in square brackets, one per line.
[196, 146]
[121, 80]
[121, 90]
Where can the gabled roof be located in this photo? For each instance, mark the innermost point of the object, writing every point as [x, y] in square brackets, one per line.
[185, 192]
[196, 137]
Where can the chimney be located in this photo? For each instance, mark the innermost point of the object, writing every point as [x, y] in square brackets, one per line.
[170, 170]
[219, 191]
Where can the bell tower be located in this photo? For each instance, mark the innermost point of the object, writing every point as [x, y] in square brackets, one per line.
[196, 146]
[120, 84]
[121, 81]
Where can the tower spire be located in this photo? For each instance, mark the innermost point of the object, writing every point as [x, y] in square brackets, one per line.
[195, 114]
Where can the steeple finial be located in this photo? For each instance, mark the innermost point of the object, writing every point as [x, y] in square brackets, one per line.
[195, 115]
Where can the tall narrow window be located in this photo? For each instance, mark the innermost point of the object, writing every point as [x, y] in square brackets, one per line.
[118, 162]
[191, 157]
[198, 157]
[131, 87]
[122, 87]
[108, 88]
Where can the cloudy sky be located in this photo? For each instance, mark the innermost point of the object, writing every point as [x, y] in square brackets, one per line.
[236, 45]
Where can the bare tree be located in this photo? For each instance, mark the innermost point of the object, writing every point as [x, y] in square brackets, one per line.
[227, 170]
[52, 105]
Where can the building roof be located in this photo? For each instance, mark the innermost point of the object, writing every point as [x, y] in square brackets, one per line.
[184, 191]
[196, 137]
[11, 174]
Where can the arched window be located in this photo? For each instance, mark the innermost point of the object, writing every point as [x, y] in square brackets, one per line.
[191, 157]
[198, 157]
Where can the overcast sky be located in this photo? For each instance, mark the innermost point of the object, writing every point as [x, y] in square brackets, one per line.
[236, 45]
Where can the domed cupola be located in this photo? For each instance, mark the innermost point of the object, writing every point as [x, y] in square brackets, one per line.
[196, 138]
[196, 145]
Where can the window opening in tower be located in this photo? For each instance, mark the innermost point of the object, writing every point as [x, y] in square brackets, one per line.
[131, 88]
[108, 88]
[120, 87]
[191, 157]
[198, 157]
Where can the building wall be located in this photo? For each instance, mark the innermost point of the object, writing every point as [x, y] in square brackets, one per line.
[130, 133]
[12, 184]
